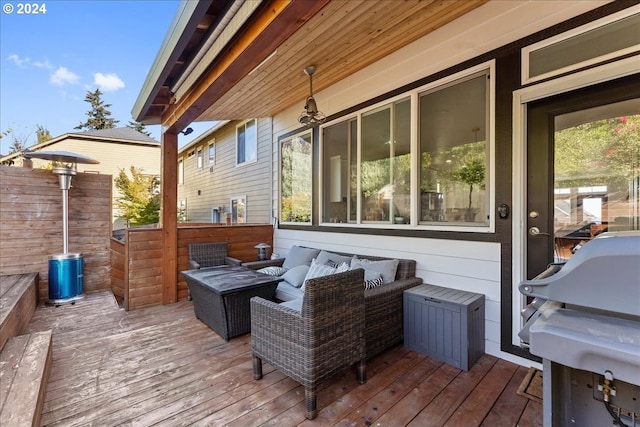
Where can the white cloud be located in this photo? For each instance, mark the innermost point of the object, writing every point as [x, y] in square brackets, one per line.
[63, 76]
[43, 64]
[108, 82]
[17, 60]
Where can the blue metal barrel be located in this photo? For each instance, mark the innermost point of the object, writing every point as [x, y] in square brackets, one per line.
[65, 278]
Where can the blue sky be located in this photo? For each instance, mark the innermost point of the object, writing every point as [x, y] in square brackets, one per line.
[49, 61]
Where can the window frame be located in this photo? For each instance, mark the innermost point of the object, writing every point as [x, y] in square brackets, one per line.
[243, 126]
[527, 78]
[490, 68]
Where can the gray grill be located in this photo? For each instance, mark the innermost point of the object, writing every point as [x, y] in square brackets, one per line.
[584, 322]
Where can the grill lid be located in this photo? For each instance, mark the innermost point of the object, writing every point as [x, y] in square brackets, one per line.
[604, 275]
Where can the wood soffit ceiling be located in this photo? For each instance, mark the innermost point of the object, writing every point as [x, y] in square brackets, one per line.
[341, 39]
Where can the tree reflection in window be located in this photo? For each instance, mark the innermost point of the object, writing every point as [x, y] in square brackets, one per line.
[296, 179]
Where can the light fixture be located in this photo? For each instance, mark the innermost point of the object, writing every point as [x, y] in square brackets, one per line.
[262, 250]
[187, 131]
[311, 116]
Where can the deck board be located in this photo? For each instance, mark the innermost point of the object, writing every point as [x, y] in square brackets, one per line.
[161, 366]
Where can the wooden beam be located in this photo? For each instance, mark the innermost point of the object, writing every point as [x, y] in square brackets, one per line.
[267, 31]
[169, 217]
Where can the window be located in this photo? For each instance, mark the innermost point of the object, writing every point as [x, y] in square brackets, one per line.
[212, 153]
[182, 210]
[181, 171]
[238, 209]
[385, 165]
[421, 159]
[339, 172]
[454, 154]
[296, 178]
[200, 159]
[608, 38]
[246, 142]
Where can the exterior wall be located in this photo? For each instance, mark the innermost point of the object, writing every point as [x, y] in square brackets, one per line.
[112, 156]
[219, 182]
[465, 261]
[468, 266]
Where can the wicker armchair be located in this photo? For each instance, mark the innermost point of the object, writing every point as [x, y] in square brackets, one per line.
[209, 255]
[316, 342]
[203, 255]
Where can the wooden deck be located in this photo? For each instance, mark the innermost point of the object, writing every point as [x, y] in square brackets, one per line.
[162, 366]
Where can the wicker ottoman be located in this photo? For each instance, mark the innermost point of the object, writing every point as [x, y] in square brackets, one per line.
[221, 296]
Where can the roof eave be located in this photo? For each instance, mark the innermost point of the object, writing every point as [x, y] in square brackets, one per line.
[185, 22]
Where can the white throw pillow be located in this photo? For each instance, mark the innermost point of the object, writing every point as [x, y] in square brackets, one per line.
[319, 270]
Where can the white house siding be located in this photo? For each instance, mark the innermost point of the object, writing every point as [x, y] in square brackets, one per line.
[469, 266]
[227, 180]
[113, 156]
[459, 264]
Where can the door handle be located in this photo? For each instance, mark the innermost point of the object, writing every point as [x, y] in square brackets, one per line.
[535, 231]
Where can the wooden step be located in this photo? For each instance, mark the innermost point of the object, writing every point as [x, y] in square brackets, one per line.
[25, 363]
[18, 302]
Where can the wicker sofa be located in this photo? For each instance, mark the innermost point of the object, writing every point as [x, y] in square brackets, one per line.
[383, 304]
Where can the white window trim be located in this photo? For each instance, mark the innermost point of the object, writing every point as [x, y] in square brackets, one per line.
[243, 124]
[415, 158]
[304, 132]
[526, 51]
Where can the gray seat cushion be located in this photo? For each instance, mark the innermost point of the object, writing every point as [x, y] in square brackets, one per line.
[286, 292]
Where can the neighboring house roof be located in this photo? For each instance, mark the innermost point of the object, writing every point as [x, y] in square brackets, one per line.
[123, 135]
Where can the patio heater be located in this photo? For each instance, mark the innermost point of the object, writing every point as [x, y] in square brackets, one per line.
[66, 268]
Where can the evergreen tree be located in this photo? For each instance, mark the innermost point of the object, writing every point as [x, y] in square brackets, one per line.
[99, 115]
[42, 134]
[139, 127]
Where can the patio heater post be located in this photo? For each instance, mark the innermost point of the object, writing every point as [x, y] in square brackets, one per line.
[66, 270]
[65, 173]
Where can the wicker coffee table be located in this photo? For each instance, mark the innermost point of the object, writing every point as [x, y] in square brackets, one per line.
[221, 296]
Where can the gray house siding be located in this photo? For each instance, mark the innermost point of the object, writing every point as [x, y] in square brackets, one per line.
[220, 181]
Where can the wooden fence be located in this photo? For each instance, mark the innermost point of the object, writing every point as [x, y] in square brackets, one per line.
[31, 224]
[136, 263]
